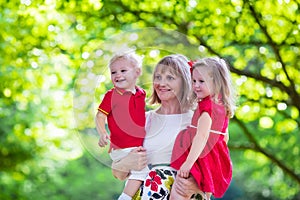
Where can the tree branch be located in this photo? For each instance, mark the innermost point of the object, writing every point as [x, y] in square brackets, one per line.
[292, 90]
[256, 147]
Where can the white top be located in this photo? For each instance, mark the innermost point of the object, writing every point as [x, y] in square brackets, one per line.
[161, 132]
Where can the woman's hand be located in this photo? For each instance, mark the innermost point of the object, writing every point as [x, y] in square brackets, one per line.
[135, 160]
[185, 186]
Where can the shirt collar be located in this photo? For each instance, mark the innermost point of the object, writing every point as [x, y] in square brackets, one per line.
[122, 91]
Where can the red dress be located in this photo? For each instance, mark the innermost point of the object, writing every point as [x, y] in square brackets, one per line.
[213, 169]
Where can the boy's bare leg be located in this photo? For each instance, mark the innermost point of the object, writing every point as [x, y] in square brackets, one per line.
[132, 187]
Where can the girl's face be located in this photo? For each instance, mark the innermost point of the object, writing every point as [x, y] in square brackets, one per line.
[124, 74]
[202, 82]
[167, 85]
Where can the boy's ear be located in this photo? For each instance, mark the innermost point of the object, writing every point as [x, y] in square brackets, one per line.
[139, 71]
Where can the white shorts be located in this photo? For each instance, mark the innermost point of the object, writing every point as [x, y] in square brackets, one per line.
[118, 154]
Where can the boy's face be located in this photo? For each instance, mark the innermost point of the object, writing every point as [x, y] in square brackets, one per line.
[124, 74]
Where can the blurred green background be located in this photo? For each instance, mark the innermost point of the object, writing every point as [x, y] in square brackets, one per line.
[53, 61]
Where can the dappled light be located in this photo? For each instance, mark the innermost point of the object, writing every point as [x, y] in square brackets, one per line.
[54, 73]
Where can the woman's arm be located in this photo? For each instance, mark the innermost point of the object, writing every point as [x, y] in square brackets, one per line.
[135, 160]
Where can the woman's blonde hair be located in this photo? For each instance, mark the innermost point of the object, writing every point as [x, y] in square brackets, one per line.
[176, 64]
[222, 89]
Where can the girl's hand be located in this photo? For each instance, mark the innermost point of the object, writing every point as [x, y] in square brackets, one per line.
[184, 170]
[103, 141]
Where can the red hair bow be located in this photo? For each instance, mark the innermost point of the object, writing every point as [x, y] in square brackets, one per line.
[191, 65]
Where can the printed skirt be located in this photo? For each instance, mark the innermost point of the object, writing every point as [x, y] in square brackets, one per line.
[158, 184]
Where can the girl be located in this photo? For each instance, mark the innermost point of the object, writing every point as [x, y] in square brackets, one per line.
[201, 149]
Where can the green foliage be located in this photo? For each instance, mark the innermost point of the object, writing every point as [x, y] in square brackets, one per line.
[53, 71]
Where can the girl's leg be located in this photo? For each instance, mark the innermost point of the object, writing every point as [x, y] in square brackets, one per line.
[208, 195]
[205, 195]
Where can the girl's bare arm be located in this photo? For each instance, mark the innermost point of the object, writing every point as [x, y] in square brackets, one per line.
[198, 144]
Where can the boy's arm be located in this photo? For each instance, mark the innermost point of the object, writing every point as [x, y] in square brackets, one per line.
[100, 120]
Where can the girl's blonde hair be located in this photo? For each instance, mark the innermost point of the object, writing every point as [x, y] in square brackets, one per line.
[176, 64]
[222, 89]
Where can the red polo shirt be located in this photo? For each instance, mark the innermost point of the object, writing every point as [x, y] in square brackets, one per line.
[125, 117]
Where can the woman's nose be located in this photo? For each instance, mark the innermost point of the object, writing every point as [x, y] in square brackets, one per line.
[161, 82]
[164, 81]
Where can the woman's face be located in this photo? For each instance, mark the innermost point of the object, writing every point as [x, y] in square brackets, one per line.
[167, 85]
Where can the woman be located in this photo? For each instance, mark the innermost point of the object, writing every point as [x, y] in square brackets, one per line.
[171, 89]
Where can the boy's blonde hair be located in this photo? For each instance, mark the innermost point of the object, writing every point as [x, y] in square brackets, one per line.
[222, 89]
[135, 59]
